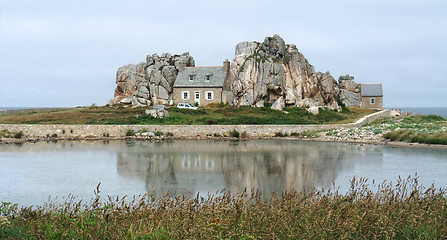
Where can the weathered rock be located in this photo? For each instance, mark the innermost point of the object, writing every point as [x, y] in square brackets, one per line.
[314, 110]
[148, 134]
[347, 82]
[163, 93]
[157, 75]
[350, 99]
[260, 104]
[126, 100]
[277, 73]
[278, 104]
[127, 80]
[158, 113]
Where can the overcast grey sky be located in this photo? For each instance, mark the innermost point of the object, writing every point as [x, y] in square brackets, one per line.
[66, 53]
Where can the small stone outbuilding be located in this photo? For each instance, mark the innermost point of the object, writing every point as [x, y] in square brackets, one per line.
[202, 85]
[372, 96]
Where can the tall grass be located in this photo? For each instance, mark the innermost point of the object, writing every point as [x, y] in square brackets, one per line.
[405, 135]
[404, 210]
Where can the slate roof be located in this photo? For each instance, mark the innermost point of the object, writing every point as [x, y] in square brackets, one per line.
[217, 77]
[371, 90]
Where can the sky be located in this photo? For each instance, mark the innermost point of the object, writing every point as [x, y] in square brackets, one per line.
[65, 53]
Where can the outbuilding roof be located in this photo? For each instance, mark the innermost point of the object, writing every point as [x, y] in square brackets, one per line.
[371, 90]
[200, 77]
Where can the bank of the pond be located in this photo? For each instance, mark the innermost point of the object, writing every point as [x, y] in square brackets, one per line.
[32, 132]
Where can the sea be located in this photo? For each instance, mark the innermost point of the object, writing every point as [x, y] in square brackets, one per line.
[440, 111]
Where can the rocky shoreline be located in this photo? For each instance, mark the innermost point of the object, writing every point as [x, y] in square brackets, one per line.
[368, 139]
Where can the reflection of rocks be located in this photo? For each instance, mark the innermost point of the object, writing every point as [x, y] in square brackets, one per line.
[189, 167]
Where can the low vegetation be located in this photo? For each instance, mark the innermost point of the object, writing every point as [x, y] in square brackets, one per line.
[8, 134]
[430, 129]
[405, 210]
[209, 115]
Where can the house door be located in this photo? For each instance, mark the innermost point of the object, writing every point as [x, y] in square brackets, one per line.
[197, 97]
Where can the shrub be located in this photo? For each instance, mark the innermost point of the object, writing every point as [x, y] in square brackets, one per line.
[244, 134]
[169, 134]
[158, 133]
[54, 135]
[130, 132]
[71, 130]
[217, 135]
[234, 133]
[63, 131]
[295, 134]
[18, 135]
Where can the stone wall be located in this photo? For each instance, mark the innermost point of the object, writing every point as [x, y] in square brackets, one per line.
[178, 131]
[378, 102]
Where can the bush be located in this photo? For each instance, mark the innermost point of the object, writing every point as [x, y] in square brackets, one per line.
[18, 135]
[158, 133]
[169, 134]
[244, 134]
[234, 133]
[130, 132]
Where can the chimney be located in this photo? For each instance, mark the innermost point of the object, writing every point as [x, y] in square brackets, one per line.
[226, 66]
[181, 66]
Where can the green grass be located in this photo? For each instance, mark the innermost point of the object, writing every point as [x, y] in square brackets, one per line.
[404, 210]
[210, 115]
[405, 135]
[429, 129]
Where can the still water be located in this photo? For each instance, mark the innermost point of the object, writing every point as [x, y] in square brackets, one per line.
[30, 173]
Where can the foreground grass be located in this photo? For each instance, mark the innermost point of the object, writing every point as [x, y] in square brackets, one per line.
[405, 210]
[214, 114]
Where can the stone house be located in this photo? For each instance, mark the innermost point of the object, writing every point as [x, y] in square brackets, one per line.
[203, 85]
[372, 96]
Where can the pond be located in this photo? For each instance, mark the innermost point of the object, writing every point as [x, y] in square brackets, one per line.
[30, 173]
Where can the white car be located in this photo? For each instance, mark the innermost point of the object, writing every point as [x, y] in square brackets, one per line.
[187, 106]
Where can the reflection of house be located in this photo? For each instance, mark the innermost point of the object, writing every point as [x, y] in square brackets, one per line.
[372, 96]
[187, 167]
[200, 84]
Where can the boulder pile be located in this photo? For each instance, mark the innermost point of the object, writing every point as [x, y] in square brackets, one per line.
[149, 83]
[278, 73]
[261, 72]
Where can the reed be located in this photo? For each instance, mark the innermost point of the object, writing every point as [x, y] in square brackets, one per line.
[404, 210]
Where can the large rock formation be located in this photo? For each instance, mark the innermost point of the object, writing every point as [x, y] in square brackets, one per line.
[268, 72]
[149, 82]
[277, 73]
[349, 91]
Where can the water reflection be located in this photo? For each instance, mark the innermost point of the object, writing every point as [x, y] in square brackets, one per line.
[189, 167]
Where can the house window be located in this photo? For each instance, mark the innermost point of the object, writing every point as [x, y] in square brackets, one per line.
[207, 78]
[191, 77]
[185, 95]
[372, 101]
[209, 95]
[197, 96]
